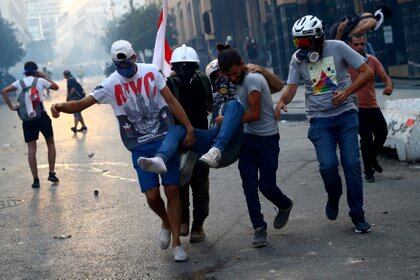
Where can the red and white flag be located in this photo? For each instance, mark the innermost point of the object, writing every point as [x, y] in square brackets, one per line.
[162, 52]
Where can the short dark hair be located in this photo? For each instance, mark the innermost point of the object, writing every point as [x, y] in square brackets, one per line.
[227, 57]
[30, 68]
[357, 36]
[67, 73]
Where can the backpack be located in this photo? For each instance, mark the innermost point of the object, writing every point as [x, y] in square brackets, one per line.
[79, 91]
[23, 115]
[206, 84]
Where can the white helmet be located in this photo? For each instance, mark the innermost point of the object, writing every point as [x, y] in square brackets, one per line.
[307, 26]
[184, 54]
[212, 67]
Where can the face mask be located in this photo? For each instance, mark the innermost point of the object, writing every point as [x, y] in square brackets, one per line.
[306, 55]
[126, 68]
[184, 71]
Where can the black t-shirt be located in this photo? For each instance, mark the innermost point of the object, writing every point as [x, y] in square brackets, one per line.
[194, 98]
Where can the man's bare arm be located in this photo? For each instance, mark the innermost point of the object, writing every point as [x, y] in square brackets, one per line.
[285, 99]
[72, 107]
[254, 107]
[365, 75]
[389, 87]
[273, 81]
[5, 92]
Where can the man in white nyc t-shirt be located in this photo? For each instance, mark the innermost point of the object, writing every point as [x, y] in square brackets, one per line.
[143, 105]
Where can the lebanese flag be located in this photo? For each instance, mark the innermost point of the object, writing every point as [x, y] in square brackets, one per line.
[162, 52]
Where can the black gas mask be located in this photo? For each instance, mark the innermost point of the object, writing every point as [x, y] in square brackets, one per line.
[185, 71]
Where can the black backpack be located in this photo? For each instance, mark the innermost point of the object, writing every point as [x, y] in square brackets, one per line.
[23, 115]
[79, 91]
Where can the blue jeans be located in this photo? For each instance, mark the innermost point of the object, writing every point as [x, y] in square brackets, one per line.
[259, 154]
[217, 137]
[326, 134]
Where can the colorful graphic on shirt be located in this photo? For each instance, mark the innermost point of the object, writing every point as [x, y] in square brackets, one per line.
[323, 75]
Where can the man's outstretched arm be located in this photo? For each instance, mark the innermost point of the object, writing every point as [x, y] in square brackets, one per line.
[71, 107]
[285, 99]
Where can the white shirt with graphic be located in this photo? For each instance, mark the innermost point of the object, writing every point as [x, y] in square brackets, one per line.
[41, 84]
[141, 110]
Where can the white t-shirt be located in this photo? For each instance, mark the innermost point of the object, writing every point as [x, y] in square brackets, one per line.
[41, 84]
[141, 110]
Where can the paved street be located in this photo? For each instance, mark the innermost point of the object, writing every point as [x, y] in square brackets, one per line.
[65, 232]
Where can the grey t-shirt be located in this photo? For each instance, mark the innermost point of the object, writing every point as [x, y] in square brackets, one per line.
[325, 76]
[267, 124]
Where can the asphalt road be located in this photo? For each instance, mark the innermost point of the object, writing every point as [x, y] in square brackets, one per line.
[112, 235]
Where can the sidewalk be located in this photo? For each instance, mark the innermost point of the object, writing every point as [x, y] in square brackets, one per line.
[297, 107]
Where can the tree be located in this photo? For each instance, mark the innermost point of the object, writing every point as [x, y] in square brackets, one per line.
[139, 27]
[12, 50]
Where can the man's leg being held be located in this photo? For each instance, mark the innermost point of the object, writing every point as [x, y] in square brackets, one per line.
[216, 138]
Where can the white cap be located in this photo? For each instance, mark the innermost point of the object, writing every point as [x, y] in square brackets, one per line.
[184, 54]
[121, 50]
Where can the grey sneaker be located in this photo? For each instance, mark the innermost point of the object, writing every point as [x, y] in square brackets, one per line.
[260, 238]
[282, 216]
[212, 157]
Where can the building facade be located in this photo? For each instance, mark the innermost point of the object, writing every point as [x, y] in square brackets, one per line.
[203, 23]
[42, 17]
[14, 11]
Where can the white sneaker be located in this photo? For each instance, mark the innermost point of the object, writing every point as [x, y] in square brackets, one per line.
[164, 238]
[179, 254]
[212, 157]
[154, 164]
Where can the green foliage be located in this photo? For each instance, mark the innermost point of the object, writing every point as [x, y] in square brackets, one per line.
[11, 48]
[139, 27]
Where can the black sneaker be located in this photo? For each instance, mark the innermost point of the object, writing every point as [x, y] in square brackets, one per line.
[35, 184]
[361, 226]
[53, 178]
[73, 129]
[282, 216]
[377, 167]
[369, 178]
[260, 238]
[331, 209]
[82, 129]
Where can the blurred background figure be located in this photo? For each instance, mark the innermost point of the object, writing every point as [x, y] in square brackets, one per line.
[75, 92]
[252, 50]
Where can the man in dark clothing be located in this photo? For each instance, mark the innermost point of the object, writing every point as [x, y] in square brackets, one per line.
[193, 90]
[75, 92]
